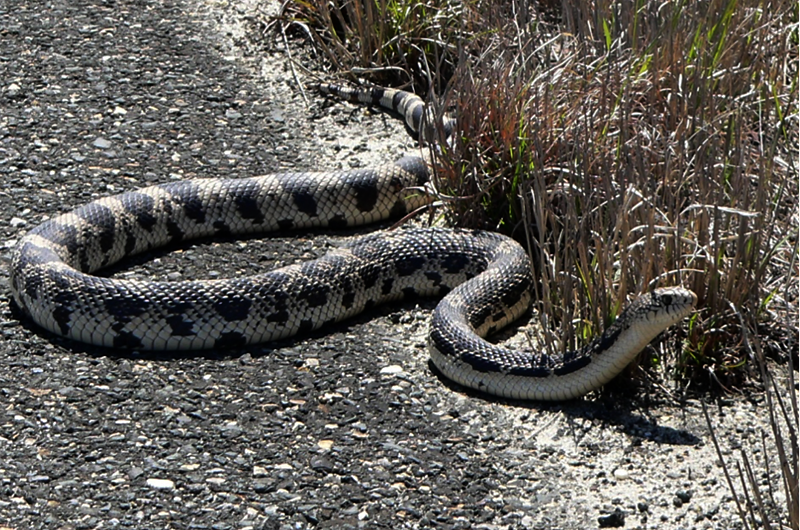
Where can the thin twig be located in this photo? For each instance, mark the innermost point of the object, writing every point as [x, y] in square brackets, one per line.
[742, 514]
[291, 64]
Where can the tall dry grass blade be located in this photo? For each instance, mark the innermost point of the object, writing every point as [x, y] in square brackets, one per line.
[728, 479]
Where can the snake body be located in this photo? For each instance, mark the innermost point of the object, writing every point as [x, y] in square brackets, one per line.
[485, 278]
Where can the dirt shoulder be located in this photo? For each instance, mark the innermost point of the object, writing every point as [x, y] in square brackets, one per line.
[349, 428]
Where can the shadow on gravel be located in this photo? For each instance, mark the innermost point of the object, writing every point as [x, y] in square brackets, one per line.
[624, 415]
[628, 415]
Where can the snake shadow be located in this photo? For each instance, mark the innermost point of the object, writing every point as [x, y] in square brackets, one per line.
[622, 404]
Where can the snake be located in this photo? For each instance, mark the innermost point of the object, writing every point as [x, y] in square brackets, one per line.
[484, 279]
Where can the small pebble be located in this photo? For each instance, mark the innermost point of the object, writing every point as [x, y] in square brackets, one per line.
[613, 520]
[101, 143]
[621, 474]
[160, 484]
[320, 463]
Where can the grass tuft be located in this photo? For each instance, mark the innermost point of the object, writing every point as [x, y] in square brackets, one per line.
[629, 144]
[391, 42]
[648, 146]
[775, 500]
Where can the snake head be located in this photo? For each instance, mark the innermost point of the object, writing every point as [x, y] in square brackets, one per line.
[667, 306]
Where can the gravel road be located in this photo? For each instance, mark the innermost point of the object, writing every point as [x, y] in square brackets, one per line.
[349, 428]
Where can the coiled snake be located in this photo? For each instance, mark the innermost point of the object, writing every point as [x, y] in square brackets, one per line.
[485, 277]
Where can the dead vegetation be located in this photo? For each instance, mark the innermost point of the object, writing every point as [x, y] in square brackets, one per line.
[627, 144]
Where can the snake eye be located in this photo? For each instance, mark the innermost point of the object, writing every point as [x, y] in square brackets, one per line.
[667, 299]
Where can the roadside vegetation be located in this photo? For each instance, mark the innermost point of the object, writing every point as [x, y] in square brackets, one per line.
[766, 497]
[628, 145]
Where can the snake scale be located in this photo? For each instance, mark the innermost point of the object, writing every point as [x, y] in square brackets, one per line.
[485, 278]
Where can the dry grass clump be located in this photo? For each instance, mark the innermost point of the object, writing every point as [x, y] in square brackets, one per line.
[628, 144]
[647, 147]
[392, 42]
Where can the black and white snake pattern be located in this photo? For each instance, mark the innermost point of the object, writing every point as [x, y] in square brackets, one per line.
[485, 278]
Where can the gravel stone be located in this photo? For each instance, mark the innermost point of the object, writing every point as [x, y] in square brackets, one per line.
[160, 484]
[101, 143]
[684, 496]
[101, 97]
[613, 520]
